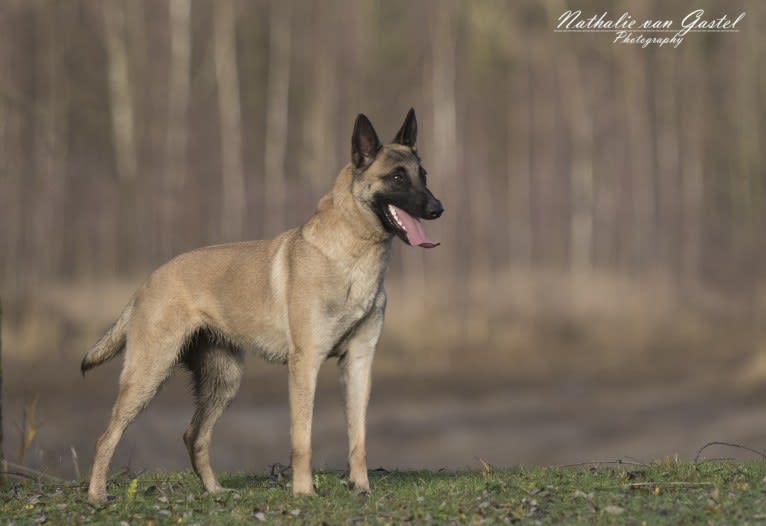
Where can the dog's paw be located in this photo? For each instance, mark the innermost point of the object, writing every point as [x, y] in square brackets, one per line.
[309, 493]
[219, 490]
[99, 499]
[304, 491]
[359, 488]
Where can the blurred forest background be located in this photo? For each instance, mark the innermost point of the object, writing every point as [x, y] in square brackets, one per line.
[602, 275]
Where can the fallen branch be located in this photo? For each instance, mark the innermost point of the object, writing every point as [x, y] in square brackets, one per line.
[661, 484]
[19, 474]
[618, 462]
[727, 444]
[35, 474]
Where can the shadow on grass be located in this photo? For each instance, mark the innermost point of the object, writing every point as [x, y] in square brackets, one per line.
[242, 481]
[380, 478]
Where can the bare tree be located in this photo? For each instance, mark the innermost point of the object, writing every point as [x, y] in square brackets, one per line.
[276, 115]
[580, 122]
[518, 150]
[179, 88]
[121, 98]
[11, 150]
[444, 110]
[123, 128]
[693, 148]
[232, 177]
[444, 130]
[3, 466]
[51, 131]
[320, 156]
[668, 164]
[582, 185]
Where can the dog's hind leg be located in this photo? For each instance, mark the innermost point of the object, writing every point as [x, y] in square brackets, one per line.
[217, 373]
[148, 362]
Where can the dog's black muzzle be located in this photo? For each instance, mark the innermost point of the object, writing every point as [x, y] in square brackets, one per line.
[434, 207]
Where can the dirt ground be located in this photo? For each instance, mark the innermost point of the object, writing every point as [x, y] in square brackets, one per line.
[612, 369]
[431, 422]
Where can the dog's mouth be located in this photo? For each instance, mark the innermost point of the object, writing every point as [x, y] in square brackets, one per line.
[407, 227]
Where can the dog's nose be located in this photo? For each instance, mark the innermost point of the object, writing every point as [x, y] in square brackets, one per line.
[435, 211]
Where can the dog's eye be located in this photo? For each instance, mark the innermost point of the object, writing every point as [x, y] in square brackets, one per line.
[399, 177]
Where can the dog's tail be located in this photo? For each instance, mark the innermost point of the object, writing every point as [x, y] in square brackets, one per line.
[111, 343]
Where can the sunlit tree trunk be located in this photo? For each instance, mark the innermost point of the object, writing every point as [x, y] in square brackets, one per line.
[518, 167]
[693, 105]
[11, 151]
[50, 136]
[320, 158]
[642, 183]
[149, 122]
[543, 189]
[123, 128]
[276, 116]
[445, 149]
[750, 172]
[759, 85]
[581, 169]
[666, 146]
[639, 183]
[445, 109]
[232, 177]
[179, 87]
[121, 98]
[580, 126]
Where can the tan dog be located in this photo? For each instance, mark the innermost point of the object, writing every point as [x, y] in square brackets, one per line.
[310, 293]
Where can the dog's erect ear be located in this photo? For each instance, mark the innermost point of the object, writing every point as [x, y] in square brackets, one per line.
[364, 142]
[408, 133]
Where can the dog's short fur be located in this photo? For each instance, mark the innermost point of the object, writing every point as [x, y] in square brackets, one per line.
[310, 293]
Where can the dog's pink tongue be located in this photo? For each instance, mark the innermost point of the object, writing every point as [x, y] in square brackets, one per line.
[415, 233]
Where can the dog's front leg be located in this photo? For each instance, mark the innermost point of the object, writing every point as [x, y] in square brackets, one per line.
[304, 367]
[356, 375]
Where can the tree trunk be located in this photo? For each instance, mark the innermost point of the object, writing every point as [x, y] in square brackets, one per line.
[519, 163]
[640, 166]
[276, 116]
[50, 137]
[581, 171]
[12, 182]
[3, 467]
[320, 158]
[445, 159]
[639, 185]
[179, 87]
[121, 98]
[445, 113]
[693, 105]
[667, 147]
[232, 177]
[123, 130]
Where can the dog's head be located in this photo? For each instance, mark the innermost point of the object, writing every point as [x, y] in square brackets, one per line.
[391, 181]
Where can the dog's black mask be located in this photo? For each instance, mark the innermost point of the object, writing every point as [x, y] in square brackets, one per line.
[401, 198]
[403, 203]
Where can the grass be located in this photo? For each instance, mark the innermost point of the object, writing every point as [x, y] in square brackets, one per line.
[659, 493]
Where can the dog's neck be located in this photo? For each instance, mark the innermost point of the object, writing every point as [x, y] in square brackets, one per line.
[355, 228]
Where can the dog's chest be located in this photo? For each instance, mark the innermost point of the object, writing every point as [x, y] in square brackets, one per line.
[362, 284]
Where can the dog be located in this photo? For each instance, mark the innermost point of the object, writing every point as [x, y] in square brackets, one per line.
[311, 293]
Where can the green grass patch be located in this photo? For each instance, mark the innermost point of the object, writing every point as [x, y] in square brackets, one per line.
[659, 493]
